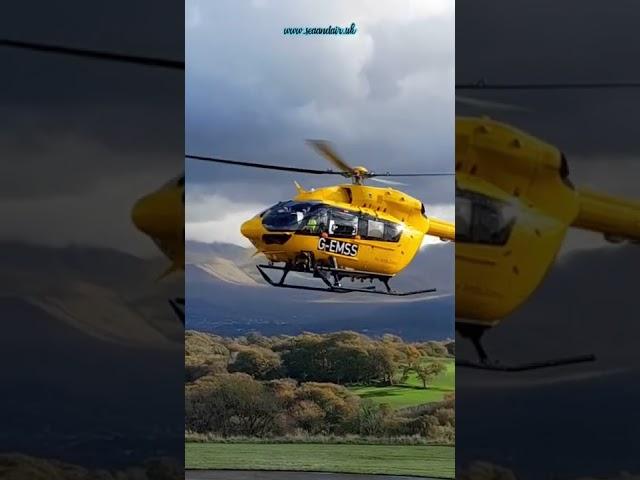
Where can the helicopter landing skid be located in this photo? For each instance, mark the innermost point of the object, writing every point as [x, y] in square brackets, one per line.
[332, 277]
[475, 333]
[177, 305]
[522, 367]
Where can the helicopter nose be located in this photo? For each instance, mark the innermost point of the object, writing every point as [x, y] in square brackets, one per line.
[142, 215]
[252, 229]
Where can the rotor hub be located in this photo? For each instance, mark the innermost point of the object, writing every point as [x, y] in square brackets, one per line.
[358, 174]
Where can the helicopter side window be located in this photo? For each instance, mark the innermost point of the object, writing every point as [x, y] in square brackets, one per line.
[362, 226]
[392, 232]
[371, 228]
[481, 219]
[463, 219]
[375, 229]
[343, 224]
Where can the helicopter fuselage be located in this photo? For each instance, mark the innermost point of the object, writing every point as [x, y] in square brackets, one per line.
[350, 226]
[514, 205]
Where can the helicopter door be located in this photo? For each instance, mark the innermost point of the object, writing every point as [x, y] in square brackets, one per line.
[315, 222]
[483, 229]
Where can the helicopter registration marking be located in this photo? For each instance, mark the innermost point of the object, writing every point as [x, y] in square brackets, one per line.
[338, 246]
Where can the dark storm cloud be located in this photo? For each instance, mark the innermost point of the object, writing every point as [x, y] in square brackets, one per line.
[80, 122]
[383, 97]
[82, 139]
[548, 41]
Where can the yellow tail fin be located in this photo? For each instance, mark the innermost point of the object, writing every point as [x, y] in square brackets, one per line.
[298, 187]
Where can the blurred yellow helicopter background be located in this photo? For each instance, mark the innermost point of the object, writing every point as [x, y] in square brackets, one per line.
[158, 214]
[515, 203]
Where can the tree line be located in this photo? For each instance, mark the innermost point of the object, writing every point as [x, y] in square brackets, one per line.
[342, 358]
[256, 386]
[235, 404]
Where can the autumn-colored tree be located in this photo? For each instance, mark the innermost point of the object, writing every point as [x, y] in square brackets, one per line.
[204, 355]
[309, 416]
[429, 371]
[383, 363]
[260, 363]
[231, 404]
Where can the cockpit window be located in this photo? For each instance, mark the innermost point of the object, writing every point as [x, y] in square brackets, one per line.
[314, 218]
[288, 216]
[316, 221]
[481, 219]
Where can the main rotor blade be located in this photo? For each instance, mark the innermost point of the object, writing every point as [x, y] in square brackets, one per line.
[387, 182]
[481, 85]
[265, 166]
[94, 54]
[478, 103]
[324, 148]
[388, 174]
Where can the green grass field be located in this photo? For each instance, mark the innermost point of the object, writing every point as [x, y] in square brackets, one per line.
[411, 393]
[418, 460]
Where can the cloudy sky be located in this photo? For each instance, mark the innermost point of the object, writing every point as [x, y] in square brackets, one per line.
[82, 139]
[384, 97]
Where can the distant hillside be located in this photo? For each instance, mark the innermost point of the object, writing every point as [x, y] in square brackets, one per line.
[226, 295]
[199, 252]
[105, 293]
[93, 355]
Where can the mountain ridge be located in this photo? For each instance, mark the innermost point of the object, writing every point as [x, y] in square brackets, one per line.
[218, 303]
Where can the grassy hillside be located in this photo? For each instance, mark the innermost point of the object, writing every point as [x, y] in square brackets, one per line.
[411, 392]
[418, 460]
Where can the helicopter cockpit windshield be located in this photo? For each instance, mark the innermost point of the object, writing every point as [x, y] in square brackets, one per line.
[482, 219]
[291, 216]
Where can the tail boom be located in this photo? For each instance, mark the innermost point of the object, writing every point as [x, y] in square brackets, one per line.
[442, 229]
[618, 219]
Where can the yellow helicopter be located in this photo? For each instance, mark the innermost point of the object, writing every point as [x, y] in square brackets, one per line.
[514, 205]
[349, 231]
[160, 216]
